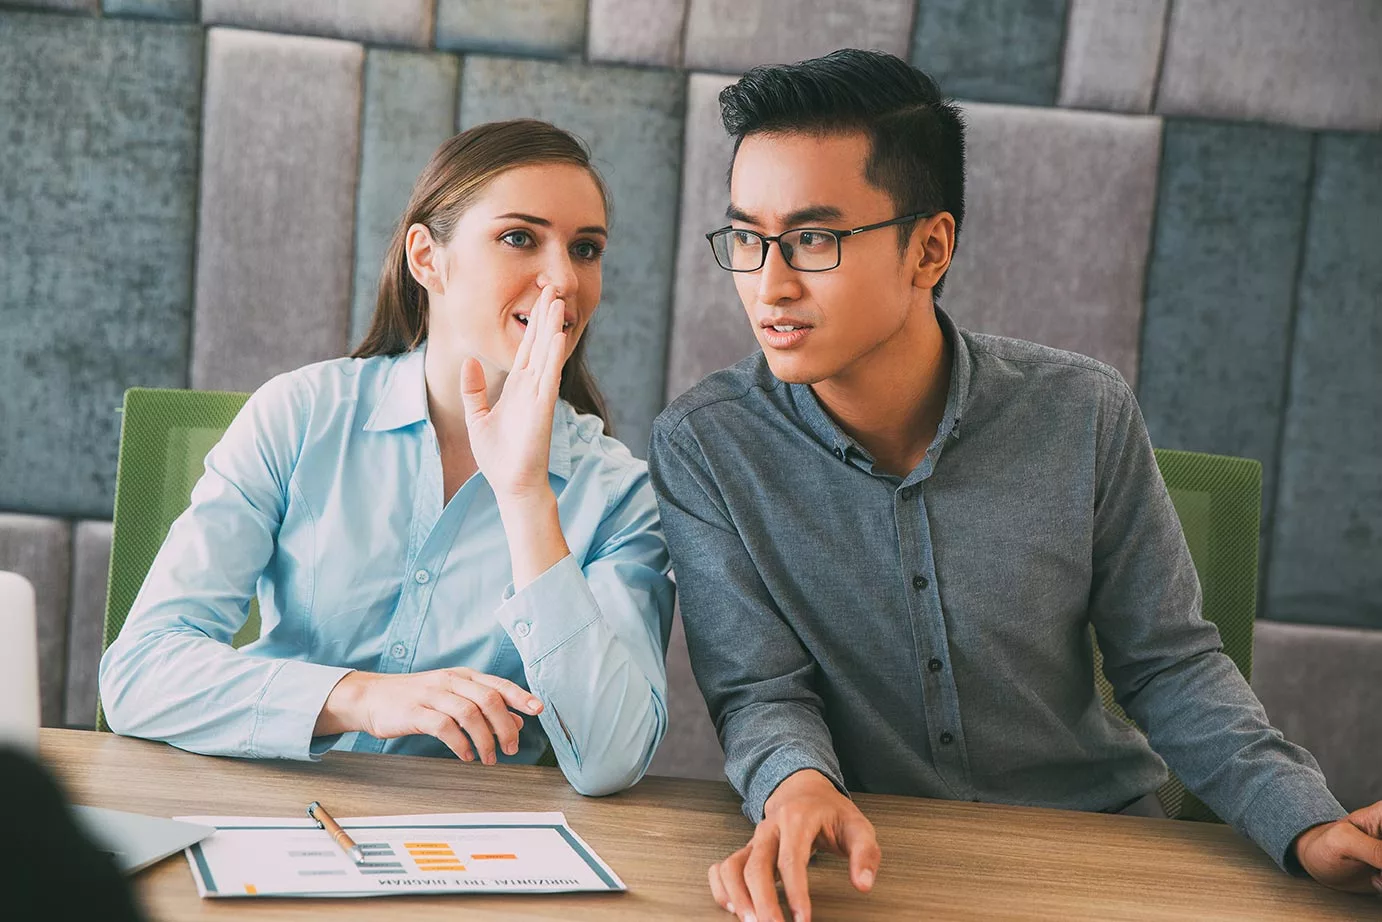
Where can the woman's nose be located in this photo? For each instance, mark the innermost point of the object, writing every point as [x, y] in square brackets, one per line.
[561, 275]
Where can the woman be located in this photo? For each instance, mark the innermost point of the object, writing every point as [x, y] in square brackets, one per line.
[443, 539]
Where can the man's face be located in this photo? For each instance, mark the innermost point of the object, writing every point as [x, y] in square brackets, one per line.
[786, 181]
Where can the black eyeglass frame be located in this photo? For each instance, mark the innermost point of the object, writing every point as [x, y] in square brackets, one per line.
[839, 235]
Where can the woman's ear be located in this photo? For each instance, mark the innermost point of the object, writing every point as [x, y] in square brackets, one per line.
[933, 246]
[425, 259]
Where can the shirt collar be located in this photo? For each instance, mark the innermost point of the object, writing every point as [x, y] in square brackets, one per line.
[808, 405]
[404, 403]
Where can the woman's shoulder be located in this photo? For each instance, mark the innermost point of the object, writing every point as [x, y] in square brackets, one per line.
[292, 399]
[599, 456]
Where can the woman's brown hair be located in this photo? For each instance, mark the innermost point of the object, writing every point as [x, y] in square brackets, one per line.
[452, 179]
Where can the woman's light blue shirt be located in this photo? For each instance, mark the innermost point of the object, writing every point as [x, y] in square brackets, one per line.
[325, 497]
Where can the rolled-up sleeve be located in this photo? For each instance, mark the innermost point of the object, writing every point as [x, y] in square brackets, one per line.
[592, 635]
[1166, 662]
[757, 678]
[172, 674]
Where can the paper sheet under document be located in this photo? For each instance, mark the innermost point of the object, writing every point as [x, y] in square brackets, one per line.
[433, 853]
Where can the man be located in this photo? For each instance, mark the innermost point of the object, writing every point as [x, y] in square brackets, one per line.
[892, 535]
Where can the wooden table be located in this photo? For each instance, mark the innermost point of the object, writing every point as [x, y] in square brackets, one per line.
[941, 860]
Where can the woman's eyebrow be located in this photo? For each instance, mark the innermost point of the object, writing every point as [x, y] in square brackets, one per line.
[543, 222]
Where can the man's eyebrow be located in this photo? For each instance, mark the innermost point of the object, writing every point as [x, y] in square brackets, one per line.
[543, 222]
[806, 215]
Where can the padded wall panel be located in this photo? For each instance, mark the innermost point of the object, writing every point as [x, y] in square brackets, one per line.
[279, 156]
[1230, 222]
[390, 22]
[538, 27]
[632, 120]
[86, 620]
[1058, 221]
[991, 50]
[1316, 65]
[730, 36]
[636, 31]
[1326, 553]
[40, 550]
[410, 109]
[1112, 52]
[691, 749]
[1319, 686]
[709, 328]
[98, 180]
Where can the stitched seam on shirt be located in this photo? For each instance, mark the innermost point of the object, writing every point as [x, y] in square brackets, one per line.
[749, 389]
[308, 627]
[617, 492]
[1097, 366]
[565, 640]
[258, 713]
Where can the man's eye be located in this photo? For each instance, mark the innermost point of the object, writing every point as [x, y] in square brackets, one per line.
[812, 240]
[743, 238]
[518, 238]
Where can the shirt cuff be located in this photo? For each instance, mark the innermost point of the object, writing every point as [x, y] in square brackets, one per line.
[549, 611]
[775, 770]
[288, 708]
[1283, 809]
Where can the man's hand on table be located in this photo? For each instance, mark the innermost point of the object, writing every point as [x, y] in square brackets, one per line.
[1345, 854]
[806, 812]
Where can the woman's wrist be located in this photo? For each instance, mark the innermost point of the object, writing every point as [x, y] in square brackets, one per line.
[342, 710]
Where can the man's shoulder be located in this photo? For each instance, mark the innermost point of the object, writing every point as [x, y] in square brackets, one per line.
[745, 382]
[1036, 369]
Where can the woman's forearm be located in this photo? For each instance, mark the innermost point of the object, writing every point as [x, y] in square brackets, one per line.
[533, 529]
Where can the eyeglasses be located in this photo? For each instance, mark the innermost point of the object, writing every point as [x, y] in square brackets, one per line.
[806, 249]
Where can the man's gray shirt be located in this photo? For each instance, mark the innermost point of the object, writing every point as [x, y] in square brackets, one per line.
[929, 635]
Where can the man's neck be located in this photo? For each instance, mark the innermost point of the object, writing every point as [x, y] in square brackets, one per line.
[891, 401]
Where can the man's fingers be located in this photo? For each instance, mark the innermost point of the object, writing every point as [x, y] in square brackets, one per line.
[515, 695]
[760, 873]
[793, 854]
[859, 841]
[473, 397]
[731, 872]
[717, 889]
[1356, 844]
[1368, 819]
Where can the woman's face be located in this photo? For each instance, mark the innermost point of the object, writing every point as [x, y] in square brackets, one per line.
[530, 228]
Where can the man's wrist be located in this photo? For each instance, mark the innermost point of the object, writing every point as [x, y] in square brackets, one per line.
[801, 781]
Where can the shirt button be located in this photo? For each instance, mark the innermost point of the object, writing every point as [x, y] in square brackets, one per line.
[947, 738]
[919, 582]
[840, 453]
[422, 576]
[906, 494]
[935, 665]
[398, 650]
[522, 629]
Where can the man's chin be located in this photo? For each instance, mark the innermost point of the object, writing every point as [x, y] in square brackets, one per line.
[796, 368]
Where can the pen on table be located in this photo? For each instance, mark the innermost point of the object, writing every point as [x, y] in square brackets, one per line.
[317, 812]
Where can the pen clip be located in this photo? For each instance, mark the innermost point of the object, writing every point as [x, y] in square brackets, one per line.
[312, 815]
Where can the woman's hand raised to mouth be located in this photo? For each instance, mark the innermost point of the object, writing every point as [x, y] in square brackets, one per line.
[511, 441]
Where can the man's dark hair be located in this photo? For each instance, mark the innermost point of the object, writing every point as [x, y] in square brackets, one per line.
[916, 135]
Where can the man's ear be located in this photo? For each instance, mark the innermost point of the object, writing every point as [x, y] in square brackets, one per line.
[933, 244]
[425, 258]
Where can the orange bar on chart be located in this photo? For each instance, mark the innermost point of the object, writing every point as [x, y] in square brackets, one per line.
[493, 857]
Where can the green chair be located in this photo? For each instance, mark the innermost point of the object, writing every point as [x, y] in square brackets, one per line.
[164, 438]
[1219, 502]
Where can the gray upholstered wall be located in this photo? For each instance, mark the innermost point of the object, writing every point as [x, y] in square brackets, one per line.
[198, 194]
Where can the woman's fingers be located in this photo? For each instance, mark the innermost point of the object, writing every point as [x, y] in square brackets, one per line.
[517, 697]
[470, 718]
[525, 348]
[495, 711]
[442, 726]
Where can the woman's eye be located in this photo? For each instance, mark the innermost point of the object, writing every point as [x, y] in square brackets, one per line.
[587, 251]
[518, 238]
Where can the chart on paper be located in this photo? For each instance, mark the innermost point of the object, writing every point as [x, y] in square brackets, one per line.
[437, 853]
